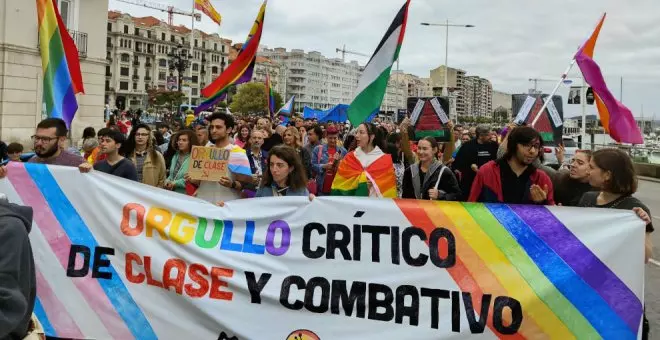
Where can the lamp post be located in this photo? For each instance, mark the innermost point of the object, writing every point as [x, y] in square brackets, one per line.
[446, 25]
[179, 61]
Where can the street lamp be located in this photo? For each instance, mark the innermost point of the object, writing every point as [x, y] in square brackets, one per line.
[446, 25]
[179, 61]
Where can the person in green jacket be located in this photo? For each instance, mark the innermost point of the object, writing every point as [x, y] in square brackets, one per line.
[179, 167]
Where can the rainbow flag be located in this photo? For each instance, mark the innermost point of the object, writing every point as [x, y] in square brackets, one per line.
[207, 8]
[239, 70]
[60, 64]
[618, 121]
[270, 97]
[534, 257]
[351, 178]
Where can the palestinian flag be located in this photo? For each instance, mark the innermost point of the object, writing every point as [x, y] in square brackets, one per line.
[373, 82]
[351, 178]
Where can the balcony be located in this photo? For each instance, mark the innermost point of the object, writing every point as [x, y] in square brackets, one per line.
[148, 65]
[108, 58]
[147, 78]
[136, 62]
[203, 70]
[108, 74]
[80, 39]
[136, 77]
[109, 45]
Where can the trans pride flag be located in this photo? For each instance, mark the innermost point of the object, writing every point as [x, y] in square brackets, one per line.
[240, 70]
[60, 64]
[617, 120]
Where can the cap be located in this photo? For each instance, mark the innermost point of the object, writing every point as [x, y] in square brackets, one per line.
[331, 130]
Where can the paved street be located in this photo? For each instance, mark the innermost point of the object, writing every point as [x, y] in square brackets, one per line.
[649, 193]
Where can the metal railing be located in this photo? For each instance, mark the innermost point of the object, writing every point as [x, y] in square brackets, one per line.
[639, 154]
[79, 38]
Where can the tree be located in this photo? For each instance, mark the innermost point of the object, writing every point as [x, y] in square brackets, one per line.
[169, 98]
[251, 99]
[279, 102]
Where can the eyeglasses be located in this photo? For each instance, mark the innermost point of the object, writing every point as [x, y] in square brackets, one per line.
[43, 139]
[530, 146]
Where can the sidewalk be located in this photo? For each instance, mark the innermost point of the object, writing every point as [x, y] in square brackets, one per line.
[649, 179]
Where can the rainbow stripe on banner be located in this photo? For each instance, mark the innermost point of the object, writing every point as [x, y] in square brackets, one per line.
[60, 226]
[572, 293]
[60, 64]
[531, 272]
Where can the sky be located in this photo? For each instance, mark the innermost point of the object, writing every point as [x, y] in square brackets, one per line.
[513, 41]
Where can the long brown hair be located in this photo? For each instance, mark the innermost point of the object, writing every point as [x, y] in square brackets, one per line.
[192, 138]
[623, 178]
[297, 179]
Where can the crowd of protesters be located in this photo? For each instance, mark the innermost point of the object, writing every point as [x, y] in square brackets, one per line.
[306, 158]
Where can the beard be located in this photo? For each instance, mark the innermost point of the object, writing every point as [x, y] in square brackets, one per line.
[47, 153]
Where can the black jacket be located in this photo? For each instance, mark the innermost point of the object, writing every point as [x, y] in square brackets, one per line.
[448, 183]
[18, 286]
[470, 153]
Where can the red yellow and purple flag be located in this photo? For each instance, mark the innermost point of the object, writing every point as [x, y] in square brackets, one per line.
[240, 70]
[270, 97]
[207, 8]
[60, 63]
[617, 120]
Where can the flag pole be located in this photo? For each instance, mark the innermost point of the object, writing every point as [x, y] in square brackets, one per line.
[547, 100]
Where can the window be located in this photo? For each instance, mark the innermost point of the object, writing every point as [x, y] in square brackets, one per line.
[137, 31]
[146, 87]
[171, 38]
[195, 42]
[162, 63]
[126, 31]
[195, 79]
[214, 69]
[66, 10]
[107, 70]
[123, 71]
[134, 86]
[223, 48]
[195, 67]
[203, 45]
[125, 58]
[162, 36]
[123, 85]
[195, 91]
[109, 27]
[149, 34]
[107, 85]
[161, 76]
[215, 47]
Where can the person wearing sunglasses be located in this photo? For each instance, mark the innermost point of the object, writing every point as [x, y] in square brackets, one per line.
[514, 179]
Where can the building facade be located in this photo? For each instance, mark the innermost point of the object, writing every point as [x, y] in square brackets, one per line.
[502, 101]
[316, 81]
[140, 57]
[455, 86]
[396, 95]
[478, 94]
[416, 86]
[21, 74]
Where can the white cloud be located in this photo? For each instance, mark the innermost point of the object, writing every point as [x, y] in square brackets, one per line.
[513, 39]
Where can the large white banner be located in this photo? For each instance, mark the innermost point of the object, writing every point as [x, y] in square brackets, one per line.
[121, 260]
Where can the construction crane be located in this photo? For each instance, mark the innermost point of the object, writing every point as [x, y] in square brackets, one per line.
[344, 51]
[171, 10]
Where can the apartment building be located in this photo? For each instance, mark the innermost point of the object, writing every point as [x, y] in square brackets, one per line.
[315, 80]
[502, 101]
[455, 86]
[416, 86]
[21, 74]
[478, 93]
[140, 57]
